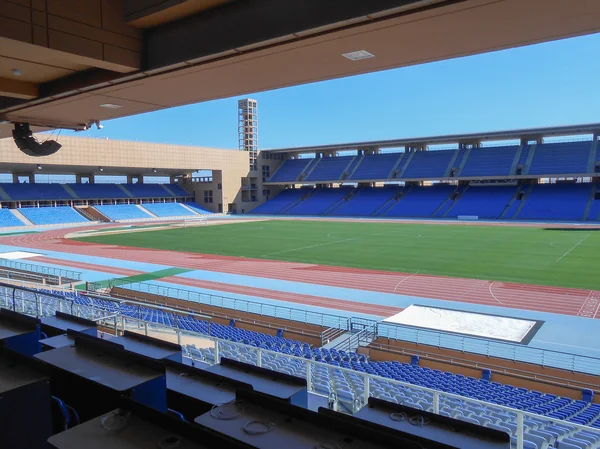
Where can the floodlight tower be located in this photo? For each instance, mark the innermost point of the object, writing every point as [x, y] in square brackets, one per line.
[248, 129]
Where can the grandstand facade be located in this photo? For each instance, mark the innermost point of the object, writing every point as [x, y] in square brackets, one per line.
[234, 186]
[536, 174]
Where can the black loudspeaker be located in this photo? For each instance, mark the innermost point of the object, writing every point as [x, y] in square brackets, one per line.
[27, 144]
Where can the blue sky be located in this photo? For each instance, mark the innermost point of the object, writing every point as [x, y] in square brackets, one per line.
[548, 84]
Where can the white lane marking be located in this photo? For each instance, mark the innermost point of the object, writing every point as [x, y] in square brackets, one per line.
[404, 279]
[574, 246]
[492, 293]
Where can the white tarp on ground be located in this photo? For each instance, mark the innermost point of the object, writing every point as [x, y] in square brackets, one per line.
[15, 255]
[476, 324]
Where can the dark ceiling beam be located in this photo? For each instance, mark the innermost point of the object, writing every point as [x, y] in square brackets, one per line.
[9, 102]
[243, 23]
[77, 81]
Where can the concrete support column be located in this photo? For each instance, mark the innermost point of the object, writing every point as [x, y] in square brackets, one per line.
[30, 177]
[135, 179]
[79, 178]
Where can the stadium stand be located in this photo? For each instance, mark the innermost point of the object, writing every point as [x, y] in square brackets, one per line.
[350, 387]
[320, 201]
[367, 201]
[556, 202]
[561, 158]
[36, 192]
[282, 201]
[122, 211]
[176, 190]
[290, 170]
[147, 190]
[376, 166]
[52, 215]
[429, 164]
[330, 168]
[421, 201]
[98, 191]
[196, 208]
[483, 201]
[7, 219]
[489, 161]
[168, 209]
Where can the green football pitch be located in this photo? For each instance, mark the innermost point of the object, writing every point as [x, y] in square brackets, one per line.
[556, 257]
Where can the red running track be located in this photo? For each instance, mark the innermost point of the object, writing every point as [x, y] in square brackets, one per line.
[319, 301]
[566, 301]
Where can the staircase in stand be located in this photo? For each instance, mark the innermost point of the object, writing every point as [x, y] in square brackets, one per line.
[4, 196]
[127, 192]
[70, 191]
[21, 217]
[527, 192]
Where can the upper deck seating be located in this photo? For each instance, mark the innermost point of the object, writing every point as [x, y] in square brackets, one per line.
[290, 170]
[376, 166]
[329, 168]
[147, 190]
[495, 161]
[36, 192]
[561, 158]
[429, 164]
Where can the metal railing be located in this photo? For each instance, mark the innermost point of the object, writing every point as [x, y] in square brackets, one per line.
[240, 305]
[40, 269]
[492, 348]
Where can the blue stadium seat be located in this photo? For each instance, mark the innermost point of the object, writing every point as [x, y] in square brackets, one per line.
[330, 168]
[421, 201]
[483, 201]
[367, 201]
[285, 199]
[7, 219]
[122, 211]
[197, 208]
[98, 191]
[496, 161]
[147, 190]
[429, 164]
[52, 215]
[556, 202]
[290, 170]
[350, 385]
[26, 191]
[320, 201]
[168, 209]
[376, 166]
[561, 158]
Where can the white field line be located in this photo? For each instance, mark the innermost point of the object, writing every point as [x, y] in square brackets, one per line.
[574, 246]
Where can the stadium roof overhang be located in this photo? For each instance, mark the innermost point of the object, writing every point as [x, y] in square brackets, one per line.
[64, 66]
[39, 167]
[529, 134]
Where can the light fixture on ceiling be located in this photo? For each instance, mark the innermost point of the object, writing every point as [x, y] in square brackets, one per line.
[100, 168]
[153, 170]
[39, 167]
[358, 55]
[110, 106]
[17, 72]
